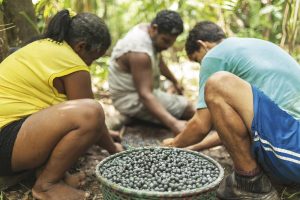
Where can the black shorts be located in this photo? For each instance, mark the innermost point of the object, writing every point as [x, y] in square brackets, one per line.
[8, 135]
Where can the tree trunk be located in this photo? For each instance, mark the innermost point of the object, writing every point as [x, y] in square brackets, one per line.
[84, 6]
[3, 39]
[21, 14]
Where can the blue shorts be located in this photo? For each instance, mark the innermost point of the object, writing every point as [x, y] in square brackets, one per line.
[276, 139]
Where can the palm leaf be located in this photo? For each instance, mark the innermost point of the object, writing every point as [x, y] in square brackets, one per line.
[31, 22]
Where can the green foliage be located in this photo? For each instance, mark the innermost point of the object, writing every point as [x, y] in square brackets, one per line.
[251, 18]
[99, 70]
[290, 193]
[32, 23]
[245, 18]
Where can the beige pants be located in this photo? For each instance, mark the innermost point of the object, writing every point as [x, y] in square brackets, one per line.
[132, 106]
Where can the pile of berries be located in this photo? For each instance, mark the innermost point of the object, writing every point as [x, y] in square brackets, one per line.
[160, 169]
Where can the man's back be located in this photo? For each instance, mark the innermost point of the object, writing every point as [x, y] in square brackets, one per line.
[262, 64]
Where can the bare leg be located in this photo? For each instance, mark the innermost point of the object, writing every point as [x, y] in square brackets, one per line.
[55, 137]
[230, 102]
[74, 180]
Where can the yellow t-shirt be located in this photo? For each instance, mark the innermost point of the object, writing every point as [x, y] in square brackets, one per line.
[26, 78]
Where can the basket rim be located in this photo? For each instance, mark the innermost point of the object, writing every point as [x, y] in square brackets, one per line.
[135, 192]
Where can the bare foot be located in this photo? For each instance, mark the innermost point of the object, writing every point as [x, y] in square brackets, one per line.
[75, 180]
[57, 191]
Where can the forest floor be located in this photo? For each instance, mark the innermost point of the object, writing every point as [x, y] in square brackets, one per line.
[135, 135]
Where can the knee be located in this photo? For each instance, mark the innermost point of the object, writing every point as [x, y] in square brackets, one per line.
[88, 114]
[92, 110]
[216, 86]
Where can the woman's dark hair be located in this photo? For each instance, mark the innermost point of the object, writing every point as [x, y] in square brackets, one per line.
[82, 27]
[168, 22]
[205, 31]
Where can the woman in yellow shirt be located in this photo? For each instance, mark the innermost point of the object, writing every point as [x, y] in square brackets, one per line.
[47, 113]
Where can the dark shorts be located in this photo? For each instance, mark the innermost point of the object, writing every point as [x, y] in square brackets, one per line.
[8, 136]
[276, 139]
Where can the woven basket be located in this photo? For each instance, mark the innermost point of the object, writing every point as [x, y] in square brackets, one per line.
[113, 191]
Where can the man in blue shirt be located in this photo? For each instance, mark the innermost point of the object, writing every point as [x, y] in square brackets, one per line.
[250, 93]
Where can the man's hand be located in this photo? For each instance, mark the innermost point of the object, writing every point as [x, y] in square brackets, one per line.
[118, 148]
[115, 136]
[178, 126]
[211, 140]
[169, 142]
[179, 88]
[193, 147]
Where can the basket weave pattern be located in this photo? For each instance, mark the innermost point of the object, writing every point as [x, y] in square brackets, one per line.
[112, 191]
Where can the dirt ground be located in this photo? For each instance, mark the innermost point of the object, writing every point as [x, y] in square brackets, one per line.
[134, 135]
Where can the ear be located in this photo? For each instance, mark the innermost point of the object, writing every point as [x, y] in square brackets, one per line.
[154, 28]
[79, 46]
[202, 44]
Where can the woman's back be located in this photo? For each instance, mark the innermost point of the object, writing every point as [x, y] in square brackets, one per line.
[26, 78]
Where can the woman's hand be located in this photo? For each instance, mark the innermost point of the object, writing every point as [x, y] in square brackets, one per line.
[119, 147]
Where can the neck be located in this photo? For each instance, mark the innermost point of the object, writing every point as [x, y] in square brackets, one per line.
[211, 45]
[150, 31]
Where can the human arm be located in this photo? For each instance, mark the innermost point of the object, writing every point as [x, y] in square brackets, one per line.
[165, 71]
[199, 126]
[141, 70]
[77, 85]
[196, 130]
[211, 140]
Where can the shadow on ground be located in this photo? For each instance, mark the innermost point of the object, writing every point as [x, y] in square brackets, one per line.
[136, 134]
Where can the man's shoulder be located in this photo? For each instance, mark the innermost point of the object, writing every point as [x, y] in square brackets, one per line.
[234, 46]
[139, 31]
[140, 57]
[137, 40]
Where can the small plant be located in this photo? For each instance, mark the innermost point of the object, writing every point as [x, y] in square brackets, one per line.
[290, 193]
[1, 196]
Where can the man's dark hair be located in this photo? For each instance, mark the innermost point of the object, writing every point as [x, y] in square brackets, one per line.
[206, 31]
[86, 27]
[168, 22]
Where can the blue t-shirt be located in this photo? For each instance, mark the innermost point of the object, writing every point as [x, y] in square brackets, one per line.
[262, 64]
